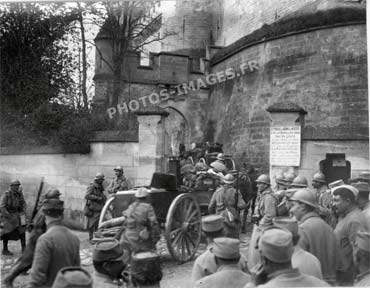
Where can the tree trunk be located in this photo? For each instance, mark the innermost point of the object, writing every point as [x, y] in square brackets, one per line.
[84, 61]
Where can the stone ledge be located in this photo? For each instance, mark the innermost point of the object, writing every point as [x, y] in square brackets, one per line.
[286, 107]
[115, 136]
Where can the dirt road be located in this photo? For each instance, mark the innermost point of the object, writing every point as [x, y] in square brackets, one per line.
[174, 275]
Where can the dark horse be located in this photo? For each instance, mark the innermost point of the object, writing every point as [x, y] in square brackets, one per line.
[248, 189]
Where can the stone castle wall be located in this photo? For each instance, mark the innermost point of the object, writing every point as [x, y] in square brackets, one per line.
[323, 71]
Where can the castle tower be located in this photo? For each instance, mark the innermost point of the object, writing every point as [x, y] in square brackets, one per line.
[194, 23]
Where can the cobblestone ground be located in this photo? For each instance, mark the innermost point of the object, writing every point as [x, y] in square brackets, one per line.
[174, 275]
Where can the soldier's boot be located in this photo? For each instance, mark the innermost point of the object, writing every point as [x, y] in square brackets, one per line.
[5, 249]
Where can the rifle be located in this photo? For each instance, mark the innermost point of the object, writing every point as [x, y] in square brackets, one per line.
[34, 212]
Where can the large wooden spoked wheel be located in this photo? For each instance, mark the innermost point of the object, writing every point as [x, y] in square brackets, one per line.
[183, 227]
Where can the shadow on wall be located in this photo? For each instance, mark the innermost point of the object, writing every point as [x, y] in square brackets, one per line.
[210, 131]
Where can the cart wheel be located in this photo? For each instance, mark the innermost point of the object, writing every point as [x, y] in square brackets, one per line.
[183, 227]
[107, 211]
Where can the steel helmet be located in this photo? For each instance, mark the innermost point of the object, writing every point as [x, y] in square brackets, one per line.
[289, 178]
[300, 182]
[263, 179]
[142, 193]
[305, 196]
[52, 194]
[15, 182]
[221, 156]
[118, 168]
[319, 177]
[229, 179]
[280, 179]
[99, 176]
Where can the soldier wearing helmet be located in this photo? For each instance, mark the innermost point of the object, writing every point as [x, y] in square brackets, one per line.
[221, 167]
[324, 197]
[267, 201]
[299, 182]
[120, 182]
[142, 229]
[323, 245]
[95, 200]
[38, 227]
[227, 201]
[13, 209]
[281, 186]
[288, 178]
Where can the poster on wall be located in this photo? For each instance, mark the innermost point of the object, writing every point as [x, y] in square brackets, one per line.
[285, 145]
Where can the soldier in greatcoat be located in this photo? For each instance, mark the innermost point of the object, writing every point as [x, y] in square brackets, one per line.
[120, 182]
[323, 245]
[142, 229]
[38, 226]
[95, 200]
[227, 201]
[57, 248]
[13, 211]
[276, 249]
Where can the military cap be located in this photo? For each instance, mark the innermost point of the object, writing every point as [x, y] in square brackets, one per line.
[53, 204]
[73, 277]
[212, 223]
[336, 183]
[363, 241]
[52, 194]
[276, 245]
[15, 182]
[287, 223]
[118, 168]
[348, 187]
[226, 248]
[109, 251]
[142, 193]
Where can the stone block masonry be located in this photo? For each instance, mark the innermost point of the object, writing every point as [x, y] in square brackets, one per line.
[323, 71]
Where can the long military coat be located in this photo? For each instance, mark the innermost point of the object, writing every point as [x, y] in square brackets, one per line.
[12, 205]
[140, 216]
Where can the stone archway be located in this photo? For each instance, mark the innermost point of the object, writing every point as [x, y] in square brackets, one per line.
[176, 131]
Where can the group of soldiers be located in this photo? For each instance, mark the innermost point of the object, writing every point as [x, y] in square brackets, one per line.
[52, 251]
[301, 237]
